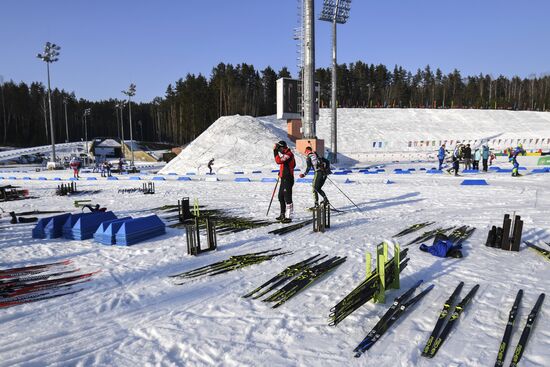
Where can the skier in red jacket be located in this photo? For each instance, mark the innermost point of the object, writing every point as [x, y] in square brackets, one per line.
[285, 159]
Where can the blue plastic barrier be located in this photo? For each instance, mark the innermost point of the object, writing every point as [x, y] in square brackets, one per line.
[91, 178]
[540, 170]
[172, 174]
[348, 181]
[26, 178]
[269, 179]
[274, 170]
[389, 182]
[184, 178]
[494, 168]
[82, 226]
[73, 179]
[422, 169]
[158, 178]
[105, 233]
[256, 172]
[238, 173]
[474, 183]
[42, 179]
[51, 227]
[241, 179]
[340, 173]
[434, 171]
[136, 178]
[402, 172]
[412, 169]
[12, 178]
[139, 229]
[190, 174]
[504, 170]
[304, 180]
[112, 178]
[56, 179]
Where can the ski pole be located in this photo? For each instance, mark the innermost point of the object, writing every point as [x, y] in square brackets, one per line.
[343, 193]
[272, 196]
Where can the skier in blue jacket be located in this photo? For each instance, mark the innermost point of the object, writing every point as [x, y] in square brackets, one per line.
[441, 155]
[514, 159]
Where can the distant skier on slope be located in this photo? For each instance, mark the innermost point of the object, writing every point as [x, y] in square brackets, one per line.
[285, 159]
[321, 168]
[441, 155]
[210, 164]
[514, 159]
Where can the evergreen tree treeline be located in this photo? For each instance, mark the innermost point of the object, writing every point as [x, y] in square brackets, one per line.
[190, 105]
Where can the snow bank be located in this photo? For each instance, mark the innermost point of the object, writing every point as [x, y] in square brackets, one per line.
[236, 143]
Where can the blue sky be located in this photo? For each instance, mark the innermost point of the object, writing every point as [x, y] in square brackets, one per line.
[106, 45]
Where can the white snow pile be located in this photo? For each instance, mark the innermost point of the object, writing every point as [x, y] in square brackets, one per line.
[235, 142]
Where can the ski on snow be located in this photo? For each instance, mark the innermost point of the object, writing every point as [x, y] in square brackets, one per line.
[441, 320]
[508, 331]
[459, 308]
[522, 344]
[397, 309]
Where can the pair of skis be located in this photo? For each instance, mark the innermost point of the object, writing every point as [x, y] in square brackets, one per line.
[233, 263]
[398, 308]
[291, 228]
[442, 328]
[522, 344]
[365, 291]
[429, 235]
[297, 278]
[412, 228]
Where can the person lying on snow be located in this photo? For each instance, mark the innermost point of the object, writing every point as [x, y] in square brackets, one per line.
[443, 247]
[95, 208]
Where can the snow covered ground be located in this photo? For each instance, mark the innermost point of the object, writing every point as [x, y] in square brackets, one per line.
[131, 314]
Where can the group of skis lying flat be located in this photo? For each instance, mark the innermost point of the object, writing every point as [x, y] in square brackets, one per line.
[39, 282]
[299, 276]
[457, 235]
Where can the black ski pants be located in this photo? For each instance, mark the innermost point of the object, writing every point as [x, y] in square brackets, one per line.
[285, 193]
[485, 164]
[318, 182]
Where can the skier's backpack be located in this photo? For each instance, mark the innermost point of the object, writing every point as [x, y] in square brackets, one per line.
[325, 165]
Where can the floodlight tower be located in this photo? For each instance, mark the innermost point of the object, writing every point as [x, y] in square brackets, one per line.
[336, 12]
[130, 93]
[65, 102]
[87, 112]
[120, 106]
[51, 53]
[308, 71]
